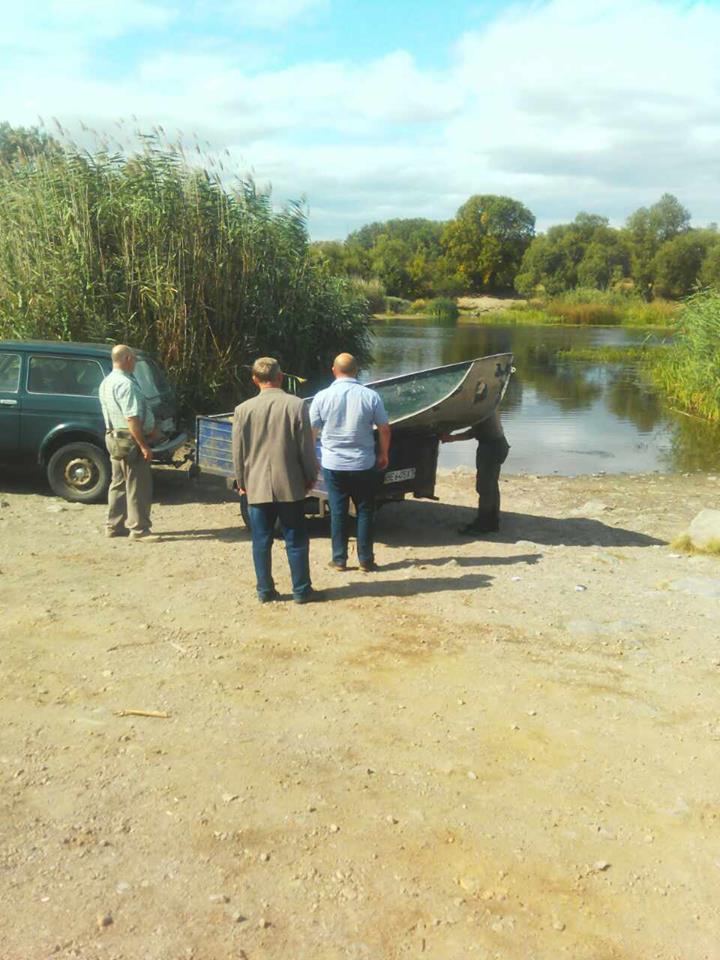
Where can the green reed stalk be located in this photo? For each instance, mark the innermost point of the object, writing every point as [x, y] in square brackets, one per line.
[149, 250]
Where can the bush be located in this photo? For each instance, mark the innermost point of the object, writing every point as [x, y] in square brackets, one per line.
[443, 309]
[397, 305]
[419, 306]
[373, 292]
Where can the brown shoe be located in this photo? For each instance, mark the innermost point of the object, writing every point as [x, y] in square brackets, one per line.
[371, 567]
[117, 532]
[340, 567]
[143, 536]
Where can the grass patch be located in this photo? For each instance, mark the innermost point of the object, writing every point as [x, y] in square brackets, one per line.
[683, 544]
[581, 308]
[610, 354]
[585, 314]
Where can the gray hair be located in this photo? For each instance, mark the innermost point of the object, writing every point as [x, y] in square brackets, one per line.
[266, 369]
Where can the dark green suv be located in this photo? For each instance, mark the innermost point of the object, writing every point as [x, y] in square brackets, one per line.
[50, 413]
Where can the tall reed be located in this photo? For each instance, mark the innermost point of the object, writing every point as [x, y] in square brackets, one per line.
[149, 250]
[689, 371]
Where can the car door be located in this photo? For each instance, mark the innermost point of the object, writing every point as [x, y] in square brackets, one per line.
[61, 391]
[10, 403]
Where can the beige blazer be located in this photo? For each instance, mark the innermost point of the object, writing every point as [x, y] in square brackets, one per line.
[273, 447]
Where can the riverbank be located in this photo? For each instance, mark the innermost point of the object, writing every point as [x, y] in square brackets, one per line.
[502, 747]
[598, 309]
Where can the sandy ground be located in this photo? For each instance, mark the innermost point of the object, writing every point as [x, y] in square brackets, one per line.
[504, 748]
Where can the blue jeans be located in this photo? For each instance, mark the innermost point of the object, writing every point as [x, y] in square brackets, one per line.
[297, 545]
[360, 487]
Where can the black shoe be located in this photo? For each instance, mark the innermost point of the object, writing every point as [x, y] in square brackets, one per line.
[474, 528]
[312, 596]
[341, 567]
[269, 597]
[371, 567]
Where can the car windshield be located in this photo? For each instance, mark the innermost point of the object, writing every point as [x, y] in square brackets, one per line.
[151, 378]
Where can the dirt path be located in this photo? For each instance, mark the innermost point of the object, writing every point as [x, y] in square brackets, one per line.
[496, 749]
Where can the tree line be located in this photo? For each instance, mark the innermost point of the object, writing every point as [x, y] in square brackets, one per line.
[491, 247]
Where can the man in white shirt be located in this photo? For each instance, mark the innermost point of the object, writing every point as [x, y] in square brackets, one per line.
[347, 413]
[130, 425]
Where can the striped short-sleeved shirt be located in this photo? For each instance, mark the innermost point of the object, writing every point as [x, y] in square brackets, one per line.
[120, 398]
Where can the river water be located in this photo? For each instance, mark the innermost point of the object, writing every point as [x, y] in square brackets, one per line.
[560, 416]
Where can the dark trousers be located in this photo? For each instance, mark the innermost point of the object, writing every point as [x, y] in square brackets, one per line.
[487, 484]
[360, 487]
[297, 545]
[488, 462]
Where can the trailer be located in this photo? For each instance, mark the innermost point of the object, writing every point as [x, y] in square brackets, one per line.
[412, 468]
[421, 406]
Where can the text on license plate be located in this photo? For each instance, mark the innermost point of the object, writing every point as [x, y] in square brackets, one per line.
[396, 476]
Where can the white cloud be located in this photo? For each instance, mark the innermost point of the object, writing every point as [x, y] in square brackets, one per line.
[271, 14]
[564, 105]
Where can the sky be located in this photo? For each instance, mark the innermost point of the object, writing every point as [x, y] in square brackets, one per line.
[372, 109]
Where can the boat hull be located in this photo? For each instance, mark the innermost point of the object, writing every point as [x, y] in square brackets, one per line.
[447, 398]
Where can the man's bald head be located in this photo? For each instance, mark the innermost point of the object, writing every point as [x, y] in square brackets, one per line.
[345, 365]
[123, 357]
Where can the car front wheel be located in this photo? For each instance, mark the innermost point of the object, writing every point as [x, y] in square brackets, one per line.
[79, 472]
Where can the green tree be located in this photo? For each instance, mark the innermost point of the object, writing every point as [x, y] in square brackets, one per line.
[401, 253]
[329, 254]
[604, 263]
[587, 252]
[487, 240]
[18, 144]
[710, 269]
[650, 227]
[677, 265]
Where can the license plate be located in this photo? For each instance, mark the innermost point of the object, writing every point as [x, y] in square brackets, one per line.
[397, 476]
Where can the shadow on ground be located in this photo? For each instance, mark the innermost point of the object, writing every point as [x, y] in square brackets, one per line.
[410, 524]
[169, 485]
[419, 562]
[406, 588]
[423, 524]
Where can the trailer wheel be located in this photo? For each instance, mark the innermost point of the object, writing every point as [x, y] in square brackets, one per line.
[245, 513]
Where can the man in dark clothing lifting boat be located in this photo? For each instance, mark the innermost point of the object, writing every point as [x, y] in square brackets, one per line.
[491, 453]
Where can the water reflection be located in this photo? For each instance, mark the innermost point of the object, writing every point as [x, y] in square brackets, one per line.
[561, 416]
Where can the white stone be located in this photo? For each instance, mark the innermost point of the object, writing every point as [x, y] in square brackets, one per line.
[705, 528]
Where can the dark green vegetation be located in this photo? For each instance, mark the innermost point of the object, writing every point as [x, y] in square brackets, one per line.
[689, 372]
[491, 246]
[152, 251]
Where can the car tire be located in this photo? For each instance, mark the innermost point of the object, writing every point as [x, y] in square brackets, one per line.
[79, 472]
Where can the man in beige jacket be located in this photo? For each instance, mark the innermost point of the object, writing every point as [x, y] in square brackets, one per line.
[276, 466]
